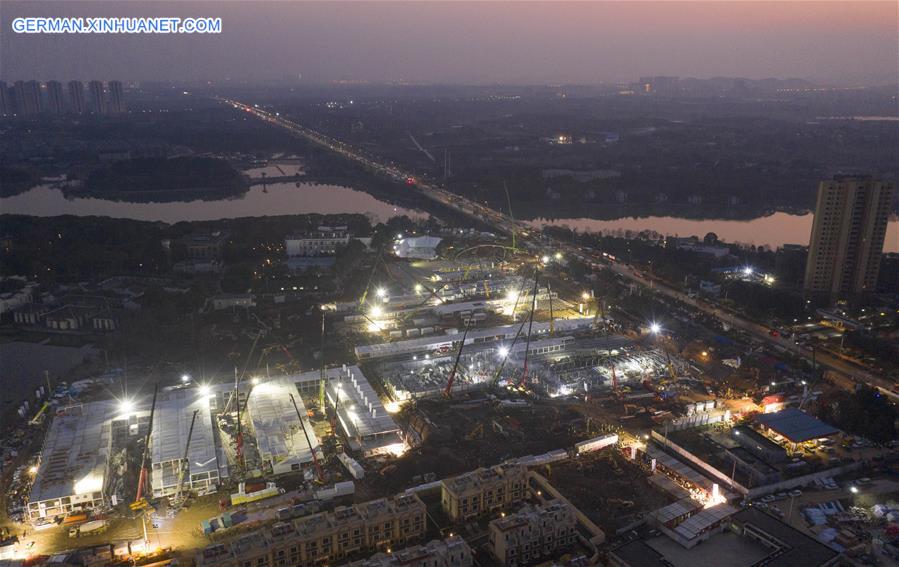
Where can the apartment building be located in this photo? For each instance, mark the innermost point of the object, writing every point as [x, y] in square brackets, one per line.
[323, 241]
[851, 217]
[483, 491]
[533, 533]
[329, 537]
[450, 552]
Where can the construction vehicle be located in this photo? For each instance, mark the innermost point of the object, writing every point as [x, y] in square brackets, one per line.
[140, 502]
[94, 527]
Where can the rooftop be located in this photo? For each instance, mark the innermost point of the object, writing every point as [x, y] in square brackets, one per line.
[75, 452]
[277, 428]
[796, 425]
[171, 424]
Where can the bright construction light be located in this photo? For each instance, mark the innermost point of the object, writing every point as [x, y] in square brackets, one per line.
[205, 390]
[705, 353]
[185, 378]
[545, 259]
[255, 381]
[747, 270]
[381, 292]
[376, 311]
[585, 296]
[655, 328]
[392, 407]
[32, 469]
[558, 255]
[503, 351]
[418, 288]
[126, 406]
[853, 489]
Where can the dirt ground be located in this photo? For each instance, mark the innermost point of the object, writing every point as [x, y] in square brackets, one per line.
[611, 491]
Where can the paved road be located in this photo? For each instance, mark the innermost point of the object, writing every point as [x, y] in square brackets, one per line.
[846, 373]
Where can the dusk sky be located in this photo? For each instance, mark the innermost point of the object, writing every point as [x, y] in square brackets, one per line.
[851, 42]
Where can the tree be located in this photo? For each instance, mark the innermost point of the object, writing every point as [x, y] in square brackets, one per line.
[865, 412]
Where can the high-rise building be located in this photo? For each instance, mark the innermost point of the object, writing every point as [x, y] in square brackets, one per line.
[850, 224]
[27, 97]
[33, 96]
[116, 98]
[76, 97]
[5, 100]
[55, 103]
[98, 97]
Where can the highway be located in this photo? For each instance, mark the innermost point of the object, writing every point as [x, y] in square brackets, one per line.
[847, 373]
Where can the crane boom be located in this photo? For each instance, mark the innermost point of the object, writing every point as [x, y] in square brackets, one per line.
[449, 383]
[318, 467]
[184, 462]
[527, 348]
[139, 501]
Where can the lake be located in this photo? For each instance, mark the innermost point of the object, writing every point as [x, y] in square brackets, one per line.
[271, 200]
[772, 230]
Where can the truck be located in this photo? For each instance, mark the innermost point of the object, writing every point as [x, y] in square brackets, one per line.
[93, 527]
[74, 519]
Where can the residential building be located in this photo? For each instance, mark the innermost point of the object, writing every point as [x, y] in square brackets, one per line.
[533, 533]
[449, 552]
[116, 98]
[323, 241]
[229, 300]
[55, 101]
[483, 491]
[98, 97]
[329, 537]
[851, 216]
[6, 107]
[76, 97]
[27, 97]
[201, 246]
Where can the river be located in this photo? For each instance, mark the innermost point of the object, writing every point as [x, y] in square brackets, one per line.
[293, 199]
[772, 230]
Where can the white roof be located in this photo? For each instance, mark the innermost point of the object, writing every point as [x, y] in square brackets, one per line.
[360, 409]
[506, 332]
[75, 452]
[171, 424]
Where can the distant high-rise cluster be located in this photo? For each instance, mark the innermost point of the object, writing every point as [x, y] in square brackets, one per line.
[30, 98]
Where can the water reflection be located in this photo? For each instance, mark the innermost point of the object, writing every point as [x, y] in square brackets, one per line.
[278, 199]
[773, 230]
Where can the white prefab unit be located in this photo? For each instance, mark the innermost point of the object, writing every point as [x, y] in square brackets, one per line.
[596, 443]
[353, 467]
